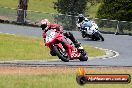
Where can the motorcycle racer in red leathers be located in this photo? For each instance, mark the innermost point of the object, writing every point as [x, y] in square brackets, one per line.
[57, 41]
[46, 25]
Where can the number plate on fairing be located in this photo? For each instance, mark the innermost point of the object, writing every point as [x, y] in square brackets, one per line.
[49, 36]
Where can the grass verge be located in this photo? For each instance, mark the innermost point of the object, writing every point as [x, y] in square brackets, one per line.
[45, 6]
[58, 79]
[36, 5]
[14, 47]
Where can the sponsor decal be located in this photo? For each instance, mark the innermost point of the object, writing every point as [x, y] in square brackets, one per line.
[83, 78]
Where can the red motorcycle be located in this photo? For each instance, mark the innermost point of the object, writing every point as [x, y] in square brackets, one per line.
[65, 51]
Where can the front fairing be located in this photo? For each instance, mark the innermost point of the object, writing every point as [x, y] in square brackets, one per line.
[51, 37]
[92, 30]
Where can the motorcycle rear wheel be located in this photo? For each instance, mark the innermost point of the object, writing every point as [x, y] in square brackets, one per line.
[59, 52]
[83, 56]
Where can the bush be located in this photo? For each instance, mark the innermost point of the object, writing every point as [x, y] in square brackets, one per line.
[116, 9]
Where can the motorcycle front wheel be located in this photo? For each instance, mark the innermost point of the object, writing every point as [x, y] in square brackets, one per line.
[98, 36]
[83, 34]
[101, 37]
[61, 54]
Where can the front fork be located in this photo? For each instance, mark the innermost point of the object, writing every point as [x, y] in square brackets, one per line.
[84, 34]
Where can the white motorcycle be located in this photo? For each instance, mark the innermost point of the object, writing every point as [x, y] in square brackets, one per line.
[90, 29]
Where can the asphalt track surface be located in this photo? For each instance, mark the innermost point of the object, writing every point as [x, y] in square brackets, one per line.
[120, 43]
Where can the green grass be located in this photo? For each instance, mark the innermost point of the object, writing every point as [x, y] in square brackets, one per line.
[14, 47]
[92, 52]
[9, 3]
[36, 17]
[93, 10]
[108, 29]
[35, 5]
[57, 80]
[7, 14]
[44, 6]
[17, 47]
[10, 14]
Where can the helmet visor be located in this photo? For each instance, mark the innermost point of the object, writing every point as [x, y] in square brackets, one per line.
[43, 26]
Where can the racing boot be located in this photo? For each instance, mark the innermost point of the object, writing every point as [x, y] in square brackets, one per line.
[77, 44]
[72, 38]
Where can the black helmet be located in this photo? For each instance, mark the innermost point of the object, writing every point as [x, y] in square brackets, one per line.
[44, 23]
[80, 18]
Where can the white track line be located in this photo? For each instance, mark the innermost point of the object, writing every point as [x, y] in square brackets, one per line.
[7, 33]
[107, 51]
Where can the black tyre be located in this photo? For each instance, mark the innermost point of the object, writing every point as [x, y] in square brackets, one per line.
[95, 37]
[83, 34]
[83, 56]
[61, 54]
[101, 37]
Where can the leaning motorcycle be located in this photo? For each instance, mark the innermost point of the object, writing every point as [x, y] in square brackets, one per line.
[65, 51]
[91, 32]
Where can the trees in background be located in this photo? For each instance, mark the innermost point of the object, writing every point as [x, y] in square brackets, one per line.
[116, 9]
[71, 7]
